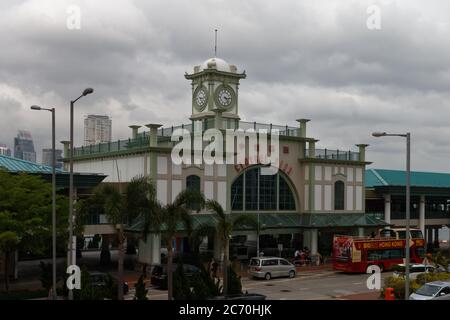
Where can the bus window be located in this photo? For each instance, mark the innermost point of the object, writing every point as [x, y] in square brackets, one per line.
[401, 234]
[386, 233]
[373, 255]
[416, 234]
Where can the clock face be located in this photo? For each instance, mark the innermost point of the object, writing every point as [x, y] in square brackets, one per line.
[224, 97]
[201, 98]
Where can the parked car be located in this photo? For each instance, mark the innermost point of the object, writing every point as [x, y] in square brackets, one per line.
[159, 274]
[271, 267]
[432, 290]
[415, 270]
[100, 280]
[242, 296]
[443, 297]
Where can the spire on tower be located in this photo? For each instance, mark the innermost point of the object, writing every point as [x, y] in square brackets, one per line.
[215, 43]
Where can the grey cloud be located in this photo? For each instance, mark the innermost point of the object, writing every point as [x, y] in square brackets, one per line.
[313, 59]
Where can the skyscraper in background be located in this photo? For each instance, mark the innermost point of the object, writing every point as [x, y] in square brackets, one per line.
[24, 147]
[97, 129]
[47, 155]
[4, 150]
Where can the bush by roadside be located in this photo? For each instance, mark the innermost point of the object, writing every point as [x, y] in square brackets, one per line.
[23, 295]
[398, 283]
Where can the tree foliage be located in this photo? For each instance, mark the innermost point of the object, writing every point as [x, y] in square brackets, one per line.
[26, 210]
[121, 207]
[225, 225]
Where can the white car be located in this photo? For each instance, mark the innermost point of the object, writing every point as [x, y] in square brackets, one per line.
[431, 290]
[415, 270]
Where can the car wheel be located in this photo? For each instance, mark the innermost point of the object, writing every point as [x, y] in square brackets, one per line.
[267, 276]
[291, 274]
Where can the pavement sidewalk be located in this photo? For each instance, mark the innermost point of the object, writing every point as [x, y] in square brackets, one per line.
[372, 295]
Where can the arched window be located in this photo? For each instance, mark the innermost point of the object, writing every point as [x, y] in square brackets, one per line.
[287, 201]
[252, 191]
[339, 195]
[193, 184]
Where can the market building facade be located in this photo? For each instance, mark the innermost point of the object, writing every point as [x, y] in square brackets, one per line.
[315, 194]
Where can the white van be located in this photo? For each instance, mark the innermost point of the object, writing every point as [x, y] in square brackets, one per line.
[270, 267]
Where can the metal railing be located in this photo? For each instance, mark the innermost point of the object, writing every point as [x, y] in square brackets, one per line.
[334, 154]
[377, 215]
[112, 146]
[143, 138]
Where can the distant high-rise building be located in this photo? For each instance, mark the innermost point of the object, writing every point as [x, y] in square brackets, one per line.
[97, 129]
[24, 147]
[47, 155]
[4, 150]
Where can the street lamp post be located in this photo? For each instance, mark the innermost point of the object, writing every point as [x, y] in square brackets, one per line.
[72, 257]
[257, 237]
[408, 173]
[52, 110]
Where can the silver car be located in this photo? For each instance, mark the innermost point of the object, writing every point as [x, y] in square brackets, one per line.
[431, 290]
[270, 267]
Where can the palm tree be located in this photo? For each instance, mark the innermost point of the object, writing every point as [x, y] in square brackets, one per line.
[142, 203]
[225, 225]
[139, 199]
[172, 215]
[115, 210]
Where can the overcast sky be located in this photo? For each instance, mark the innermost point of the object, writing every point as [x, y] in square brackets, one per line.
[303, 59]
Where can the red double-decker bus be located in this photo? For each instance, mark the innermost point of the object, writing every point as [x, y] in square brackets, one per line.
[387, 248]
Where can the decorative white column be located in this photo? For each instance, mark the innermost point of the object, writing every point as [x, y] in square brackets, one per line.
[361, 232]
[156, 248]
[134, 131]
[314, 241]
[436, 235]
[307, 238]
[150, 250]
[387, 208]
[422, 214]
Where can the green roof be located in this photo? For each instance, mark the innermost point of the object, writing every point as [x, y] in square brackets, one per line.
[80, 180]
[397, 178]
[286, 220]
[11, 164]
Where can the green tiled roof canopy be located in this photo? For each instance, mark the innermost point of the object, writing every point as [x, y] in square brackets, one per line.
[18, 165]
[285, 220]
[383, 177]
[394, 181]
[80, 180]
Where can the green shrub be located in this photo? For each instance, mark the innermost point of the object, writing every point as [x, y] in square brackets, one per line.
[87, 291]
[23, 295]
[46, 275]
[204, 286]
[181, 285]
[200, 287]
[141, 292]
[110, 291]
[234, 282]
[398, 284]
[432, 276]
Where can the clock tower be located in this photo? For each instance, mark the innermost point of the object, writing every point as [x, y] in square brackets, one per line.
[215, 86]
